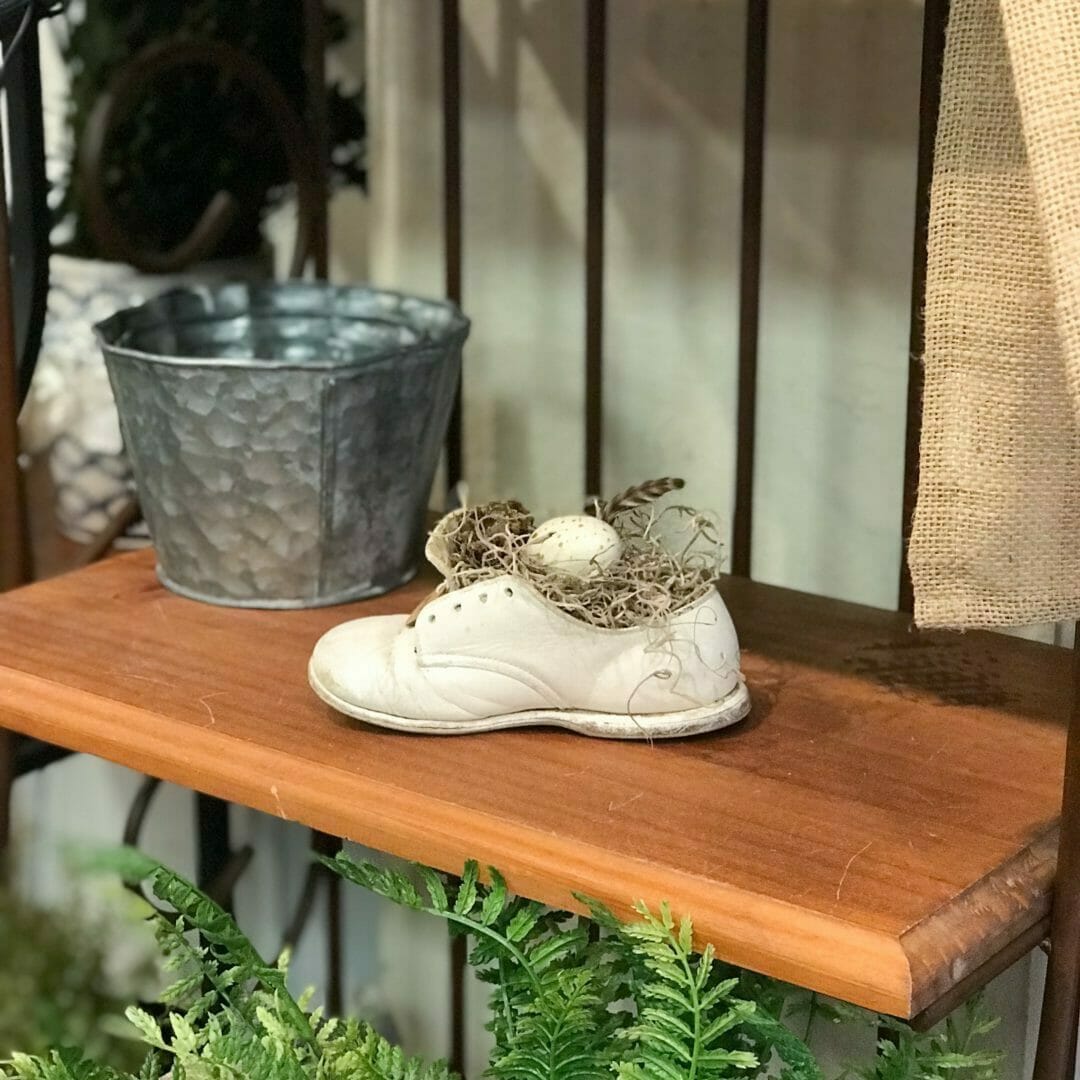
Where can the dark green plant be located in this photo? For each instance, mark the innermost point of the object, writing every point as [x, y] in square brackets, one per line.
[193, 133]
[229, 1014]
[575, 998]
[55, 987]
[572, 999]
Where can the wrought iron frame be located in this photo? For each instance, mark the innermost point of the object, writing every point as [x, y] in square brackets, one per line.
[1057, 1043]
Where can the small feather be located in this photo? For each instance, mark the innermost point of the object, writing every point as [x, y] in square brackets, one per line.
[633, 497]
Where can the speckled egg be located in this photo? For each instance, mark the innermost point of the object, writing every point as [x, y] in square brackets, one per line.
[577, 544]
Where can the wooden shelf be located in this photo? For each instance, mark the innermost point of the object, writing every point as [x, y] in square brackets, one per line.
[882, 826]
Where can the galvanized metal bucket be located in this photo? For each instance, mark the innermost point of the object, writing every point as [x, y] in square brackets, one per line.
[284, 438]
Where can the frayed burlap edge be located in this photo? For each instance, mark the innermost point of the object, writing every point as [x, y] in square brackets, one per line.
[995, 534]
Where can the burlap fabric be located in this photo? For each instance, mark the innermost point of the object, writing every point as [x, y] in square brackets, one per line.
[996, 538]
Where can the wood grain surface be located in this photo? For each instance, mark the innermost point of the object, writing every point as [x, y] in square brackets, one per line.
[883, 823]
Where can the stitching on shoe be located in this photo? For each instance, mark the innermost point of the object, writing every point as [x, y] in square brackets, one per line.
[495, 667]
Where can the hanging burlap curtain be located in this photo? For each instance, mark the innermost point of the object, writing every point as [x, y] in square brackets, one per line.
[996, 539]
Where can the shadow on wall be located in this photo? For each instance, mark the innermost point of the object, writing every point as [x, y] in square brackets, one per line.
[838, 215]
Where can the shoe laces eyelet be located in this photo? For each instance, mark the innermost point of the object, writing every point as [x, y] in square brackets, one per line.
[431, 618]
[457, 607]
[508, 591]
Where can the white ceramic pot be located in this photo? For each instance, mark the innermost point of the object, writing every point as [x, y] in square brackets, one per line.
[70, 413]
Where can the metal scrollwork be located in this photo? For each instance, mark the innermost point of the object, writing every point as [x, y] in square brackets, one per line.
[116, 103]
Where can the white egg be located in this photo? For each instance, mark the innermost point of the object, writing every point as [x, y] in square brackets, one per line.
[577, 544]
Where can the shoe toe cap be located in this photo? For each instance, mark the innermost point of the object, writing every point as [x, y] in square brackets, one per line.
[368, 668]
[352, 661]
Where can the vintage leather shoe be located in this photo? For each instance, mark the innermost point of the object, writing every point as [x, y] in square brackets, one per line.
[497, 654]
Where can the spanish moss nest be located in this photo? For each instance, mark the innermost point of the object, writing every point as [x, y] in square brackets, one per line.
[670, 557]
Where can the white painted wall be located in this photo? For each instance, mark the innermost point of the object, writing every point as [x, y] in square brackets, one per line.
[839, 204]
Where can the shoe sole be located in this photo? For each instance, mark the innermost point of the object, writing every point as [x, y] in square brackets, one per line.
[599, 725]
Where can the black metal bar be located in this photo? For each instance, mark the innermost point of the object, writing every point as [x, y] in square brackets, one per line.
[452, 209]
[322, 844]
[296, 926]
[595, 161]
[213, 850]
[140, 807]
[223, 886]
[328, 845]
[14, 542]
[33, 754]
[30, 216]
[335, 973]
[935, 20]
[7, 779]
[753, 180]
[315, 76]
[1055, 1052]
[459, 953]
[455, 438]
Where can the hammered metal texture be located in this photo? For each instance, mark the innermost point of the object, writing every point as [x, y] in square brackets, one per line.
[294, 469]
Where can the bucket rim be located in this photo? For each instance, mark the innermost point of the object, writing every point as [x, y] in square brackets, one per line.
[244, 296]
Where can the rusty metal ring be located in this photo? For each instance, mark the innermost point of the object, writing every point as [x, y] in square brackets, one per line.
[123, 91]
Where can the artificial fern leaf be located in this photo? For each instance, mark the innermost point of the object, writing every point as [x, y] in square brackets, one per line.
[467, 890]
[363, 1054]
[148, 1028]
[495, 901]
[549, 1017]
[798, 1061]
[233, 951]
[563, 1034]
[523, 921]
[688, 1023]
[78, 1068]
[65, 1064]
[435, 887]
[378, 879]
[152, 1067]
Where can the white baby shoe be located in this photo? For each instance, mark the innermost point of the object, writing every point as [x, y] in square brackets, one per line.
[498, 654]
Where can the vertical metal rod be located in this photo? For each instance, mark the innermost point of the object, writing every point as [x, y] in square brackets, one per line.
[315, 70]
[315, 76]
[7, 780]
[14, 546]
[455, 450]
[459, 951]
[452, 211]
[754, 96]
[29, 205]
[214, 847]
[335, 977]
[595, 161]
[325, 844]
[1055, 1052]
[455, 454]
[935, 20]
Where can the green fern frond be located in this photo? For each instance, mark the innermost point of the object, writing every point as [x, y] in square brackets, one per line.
[65, 1064]
[943, 1053]
[231, 1015]
[235, 958]
[571, 1000]
[353, 1050]
[689, 1024]
[550, 1010]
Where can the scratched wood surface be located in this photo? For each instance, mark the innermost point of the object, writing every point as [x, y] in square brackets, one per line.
[882, 824]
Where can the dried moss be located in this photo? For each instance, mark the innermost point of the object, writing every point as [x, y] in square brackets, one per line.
[670, 558]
